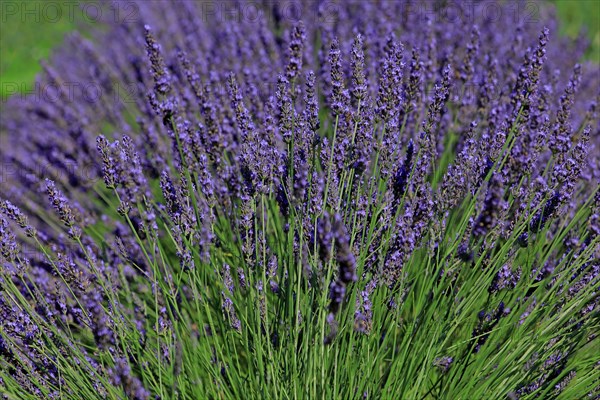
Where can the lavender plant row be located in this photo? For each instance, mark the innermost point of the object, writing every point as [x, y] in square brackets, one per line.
[359, 201]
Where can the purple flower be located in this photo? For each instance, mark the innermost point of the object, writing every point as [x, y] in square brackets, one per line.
[325, 237]
[344, 255]
[506, 278]
[121, 375]
[560, 137]
[337, 293]
[15, 214]
[541, 217]
[443, 363]
[63, 208]
[311, 114]
[493, 206]
[339, 96]
[286, 113]
[227, 278]
[162, 80]
[272, 274]
[363, 315]
[359, 83]
[390, 95]
[231, 165]
[242, 278]
[9, 249]
[400, 180]
[109, 168]
[230, 314]
[295, 51]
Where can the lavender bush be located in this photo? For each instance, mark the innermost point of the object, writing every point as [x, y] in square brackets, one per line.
[360, 200]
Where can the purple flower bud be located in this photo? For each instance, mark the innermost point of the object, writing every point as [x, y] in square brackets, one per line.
[390, 96]
[311, 114]
[324, 237]
[227, 278]
[560, 137]
[13, 212]
[337, 293]
[286, 113]
[121, 375]
[541, 217]
[414, 85]
[295, 51]
[63, 208]
[9, 249]
[108, 162]
[399, 183]
[506, 278]
[492, 207]
[272, 274]
[363, 316]
[162, 79]
[339, 97]
[359, 83]
[344, 255]
[242, 278]
[443, 363]
[230, 313]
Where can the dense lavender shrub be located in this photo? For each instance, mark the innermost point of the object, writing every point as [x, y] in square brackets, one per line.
[356, 199]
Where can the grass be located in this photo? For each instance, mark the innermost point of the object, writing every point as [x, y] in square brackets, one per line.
[427, 324]
[437, 319]
[25, 39]
[577, 14]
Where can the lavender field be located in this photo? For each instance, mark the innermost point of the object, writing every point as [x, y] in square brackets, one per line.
[304, 200]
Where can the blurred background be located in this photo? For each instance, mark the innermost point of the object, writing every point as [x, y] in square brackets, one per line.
[28, 35]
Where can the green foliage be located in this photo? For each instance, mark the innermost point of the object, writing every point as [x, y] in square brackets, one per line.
[25, 39]
[279, 352]
[576, 15]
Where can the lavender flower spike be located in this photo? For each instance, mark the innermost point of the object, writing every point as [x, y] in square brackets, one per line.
[62, 207]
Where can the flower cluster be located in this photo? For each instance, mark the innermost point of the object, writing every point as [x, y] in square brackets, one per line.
[274, 198]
